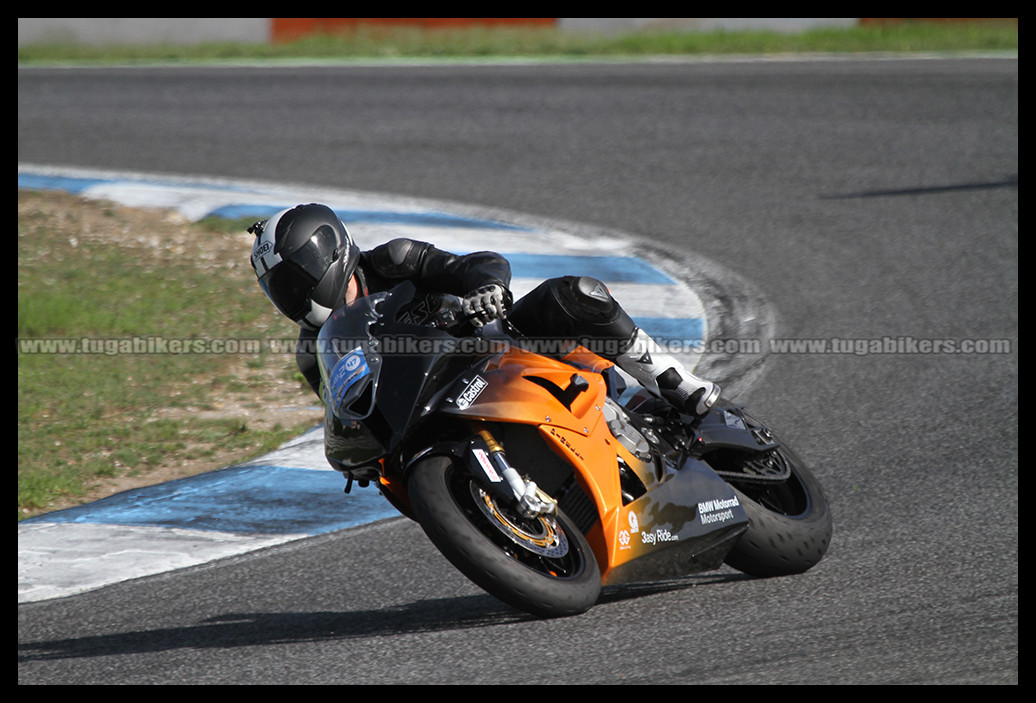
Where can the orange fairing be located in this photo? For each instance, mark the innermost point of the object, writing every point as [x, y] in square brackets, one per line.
[528, 388]
[597, 471]
[581, 356]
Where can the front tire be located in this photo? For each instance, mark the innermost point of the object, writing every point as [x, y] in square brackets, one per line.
[541, 566]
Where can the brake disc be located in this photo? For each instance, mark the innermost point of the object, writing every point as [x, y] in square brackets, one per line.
[539, 535]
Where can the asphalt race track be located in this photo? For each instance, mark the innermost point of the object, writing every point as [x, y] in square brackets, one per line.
[874, 204]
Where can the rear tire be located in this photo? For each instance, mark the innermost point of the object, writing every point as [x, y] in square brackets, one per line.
[543, 567]
[789, 524]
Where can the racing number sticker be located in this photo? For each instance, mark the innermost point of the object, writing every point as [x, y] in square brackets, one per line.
[347, 371]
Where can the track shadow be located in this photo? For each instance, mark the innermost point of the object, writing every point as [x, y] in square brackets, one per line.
[617, 594]
[251, 629]
[257, 629]
[1009, 182]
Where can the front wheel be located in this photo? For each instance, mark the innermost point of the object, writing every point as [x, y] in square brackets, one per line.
[541, 565]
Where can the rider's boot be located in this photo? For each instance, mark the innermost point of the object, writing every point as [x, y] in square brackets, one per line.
[666, 377]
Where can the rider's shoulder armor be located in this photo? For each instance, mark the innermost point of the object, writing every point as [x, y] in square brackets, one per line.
[431, 268]
[400, 258]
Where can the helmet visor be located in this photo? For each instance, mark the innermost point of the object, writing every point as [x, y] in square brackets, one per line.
[317, 254]
[289, 288]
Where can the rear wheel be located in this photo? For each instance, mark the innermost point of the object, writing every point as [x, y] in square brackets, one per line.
[789, 521]
[540, 565]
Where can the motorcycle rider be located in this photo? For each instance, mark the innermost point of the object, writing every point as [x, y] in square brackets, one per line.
[308, 266]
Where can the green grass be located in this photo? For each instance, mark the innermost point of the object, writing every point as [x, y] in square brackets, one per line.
[87, 272]
[384, 43]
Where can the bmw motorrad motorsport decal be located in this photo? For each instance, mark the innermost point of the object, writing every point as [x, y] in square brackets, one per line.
[712, 511]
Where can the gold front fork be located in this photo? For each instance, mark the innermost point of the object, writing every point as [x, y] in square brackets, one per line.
[531, 498]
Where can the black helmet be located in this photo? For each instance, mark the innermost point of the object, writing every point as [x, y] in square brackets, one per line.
[304, 259]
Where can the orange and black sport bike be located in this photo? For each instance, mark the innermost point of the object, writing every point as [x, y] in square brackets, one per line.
[543, 478]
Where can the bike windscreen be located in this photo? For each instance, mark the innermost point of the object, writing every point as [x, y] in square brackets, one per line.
[349, 364]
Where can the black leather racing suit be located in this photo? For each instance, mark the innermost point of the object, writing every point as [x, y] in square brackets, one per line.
[574, 308]
[431, 271]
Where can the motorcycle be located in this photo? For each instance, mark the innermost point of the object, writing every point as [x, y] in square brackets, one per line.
[542, 477]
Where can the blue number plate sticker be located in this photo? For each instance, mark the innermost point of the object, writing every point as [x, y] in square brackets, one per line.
[347, 371]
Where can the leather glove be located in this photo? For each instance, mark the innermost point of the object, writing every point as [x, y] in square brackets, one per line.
[485, 304]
